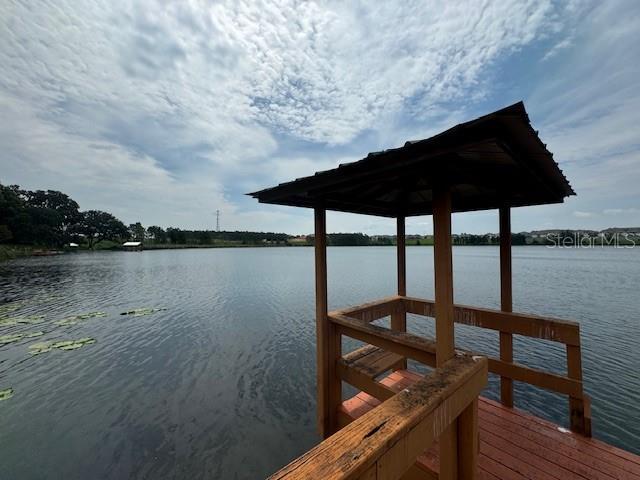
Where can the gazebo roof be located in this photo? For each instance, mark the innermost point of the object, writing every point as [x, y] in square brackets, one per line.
[496, 160]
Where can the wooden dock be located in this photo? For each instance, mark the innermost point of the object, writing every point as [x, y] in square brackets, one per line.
[405, 426]
[515, 445]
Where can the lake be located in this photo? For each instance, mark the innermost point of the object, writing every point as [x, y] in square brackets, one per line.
[221, 384]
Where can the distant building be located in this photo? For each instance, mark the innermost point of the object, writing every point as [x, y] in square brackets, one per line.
[73, 245]
[132, 246]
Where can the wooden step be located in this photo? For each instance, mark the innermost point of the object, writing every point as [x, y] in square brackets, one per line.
[371, 361]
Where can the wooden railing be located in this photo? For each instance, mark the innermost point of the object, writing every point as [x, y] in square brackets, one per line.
[385, 442]
[422, 350]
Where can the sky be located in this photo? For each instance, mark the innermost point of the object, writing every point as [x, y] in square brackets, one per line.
[165, 111]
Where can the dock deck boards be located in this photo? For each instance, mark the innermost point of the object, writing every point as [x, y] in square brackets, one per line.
[515, 445]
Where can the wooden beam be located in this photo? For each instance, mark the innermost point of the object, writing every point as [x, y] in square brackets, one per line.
[402, 256]
[371, 311]
[445, 342]
[576, 403]
[404, 344]
[468, 442]
[534, 326]
[506, 301]
[328, 382]
[399, 319]
[385, 442]
[538, 378]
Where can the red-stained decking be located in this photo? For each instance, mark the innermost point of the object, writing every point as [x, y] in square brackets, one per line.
[515, 445]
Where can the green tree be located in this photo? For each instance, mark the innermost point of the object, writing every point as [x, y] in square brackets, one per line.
[136, 232]
[97, 226]
[177, 236]
[65, 207]
[157, 234]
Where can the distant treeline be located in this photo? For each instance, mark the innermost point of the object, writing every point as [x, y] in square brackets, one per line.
[53, 219]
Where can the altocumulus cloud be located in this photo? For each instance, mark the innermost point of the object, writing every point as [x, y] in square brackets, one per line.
[165, 111]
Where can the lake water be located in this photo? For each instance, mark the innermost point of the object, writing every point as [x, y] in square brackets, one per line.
[221, 384]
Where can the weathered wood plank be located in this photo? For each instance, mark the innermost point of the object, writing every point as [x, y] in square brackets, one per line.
[468, 442]
[549, 381]
[401, 343]
[445, 342]
[546, 328]
[363, 382]
[374, 310]
[576, 404]
[393, 435]
[374, 362]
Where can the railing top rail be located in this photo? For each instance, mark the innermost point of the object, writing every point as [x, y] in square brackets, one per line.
[411, 420]
[534, 326]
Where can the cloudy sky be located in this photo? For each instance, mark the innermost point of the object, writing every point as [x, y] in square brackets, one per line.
[163, 112]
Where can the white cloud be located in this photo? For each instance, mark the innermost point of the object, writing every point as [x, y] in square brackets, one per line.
[166, 111]
[620, 211]
[580, 214]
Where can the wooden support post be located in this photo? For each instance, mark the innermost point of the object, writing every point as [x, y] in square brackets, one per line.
[506, 302]
[468, 442]
[445, 344]
[578, 421]
[399, 319]
[327, 340]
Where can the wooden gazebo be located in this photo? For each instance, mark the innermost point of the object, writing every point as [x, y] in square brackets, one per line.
[401, 424]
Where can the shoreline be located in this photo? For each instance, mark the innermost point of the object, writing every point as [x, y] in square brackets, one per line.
[12, 252]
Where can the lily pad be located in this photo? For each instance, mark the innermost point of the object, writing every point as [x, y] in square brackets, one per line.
[30, 320]
[9, 307]
[40, 347]
[43, 347]
[74, 320]
[138, 312]
[18, 336]
[4, 339]
[6, 394]
[76, 344]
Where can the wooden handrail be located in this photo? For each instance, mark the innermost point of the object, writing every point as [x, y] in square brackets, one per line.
[371, 311]
[385, 442]
[533, 326]
[355, 321]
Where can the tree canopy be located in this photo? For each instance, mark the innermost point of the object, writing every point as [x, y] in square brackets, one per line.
[52, 218]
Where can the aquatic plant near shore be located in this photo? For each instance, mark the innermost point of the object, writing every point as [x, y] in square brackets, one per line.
[4, 339]
[6, 394]
[9, 307]
[138, 312]
[44, 347]
[33, 319]
[74, 320]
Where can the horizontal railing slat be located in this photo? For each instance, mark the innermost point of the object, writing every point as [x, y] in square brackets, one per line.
[533, 326]
[405, 344]
[373, 310]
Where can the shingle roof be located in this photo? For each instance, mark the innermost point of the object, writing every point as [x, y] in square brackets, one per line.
[495, 160]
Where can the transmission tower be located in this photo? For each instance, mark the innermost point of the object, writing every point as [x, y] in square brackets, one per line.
[217, 220]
